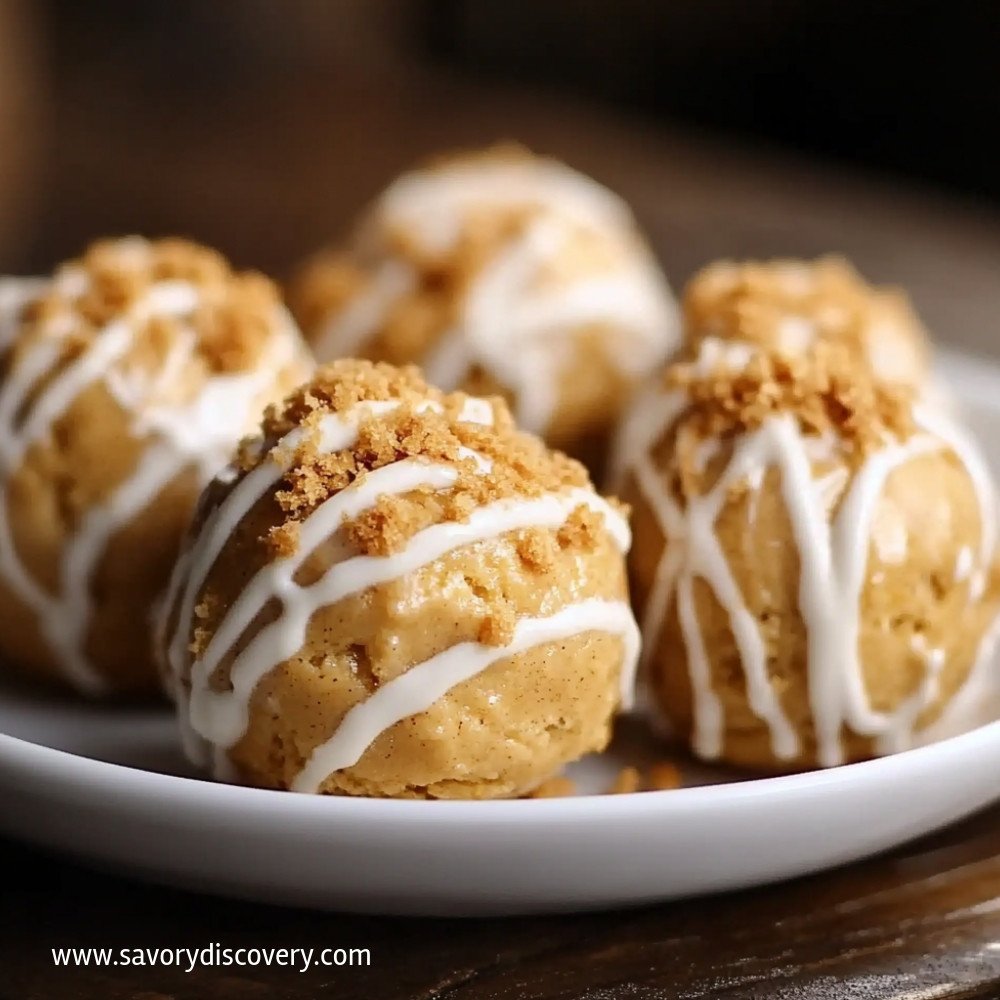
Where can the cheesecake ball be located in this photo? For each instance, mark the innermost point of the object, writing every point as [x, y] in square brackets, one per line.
[790, 305]
[500, 272]
[394, 592]
[126, 380]
[814, 562]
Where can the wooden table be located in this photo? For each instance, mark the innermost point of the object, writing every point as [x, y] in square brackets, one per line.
[923, 924]
[267, 174]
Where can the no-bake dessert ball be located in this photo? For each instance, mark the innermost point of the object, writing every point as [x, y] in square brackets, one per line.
[126, 381]
[500, 272]
[814, 558]
[790, 305]
[394, 592]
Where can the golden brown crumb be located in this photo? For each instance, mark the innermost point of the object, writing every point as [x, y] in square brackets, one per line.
[628, 781]
[554, 788]
[825, 389]
[233, 321]
[426, 425]
[764, 303]
[663, 777]
[284, 539]
[497, 628]
[204, 611]
[536, 549]
[660, 777]
[581, 528]
[338, 386]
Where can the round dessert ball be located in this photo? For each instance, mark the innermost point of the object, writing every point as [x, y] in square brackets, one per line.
[790, 305]
[500, 272]
[126, 381]
[814, 562]
[394, 592]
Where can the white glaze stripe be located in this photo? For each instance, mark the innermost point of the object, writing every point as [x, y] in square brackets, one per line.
[519, 335]
[430, 204]
[422, 685]
[346, 332]
[65, 627]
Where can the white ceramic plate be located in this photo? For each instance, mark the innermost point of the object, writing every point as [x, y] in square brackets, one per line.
[108, 786]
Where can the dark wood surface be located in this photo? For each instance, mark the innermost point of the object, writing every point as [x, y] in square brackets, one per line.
[922, 924]
[267, 178]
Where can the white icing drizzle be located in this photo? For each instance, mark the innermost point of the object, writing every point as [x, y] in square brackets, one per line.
[509, 322]
[423, 684]
[652, 412]
[964, 564]
[934, 660]
[214, 721]
[833, 551]
[196, 434]
[432, 203]
[345, 336]
[977, 702]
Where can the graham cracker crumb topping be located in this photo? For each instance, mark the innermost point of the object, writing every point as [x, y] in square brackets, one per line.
[825, 389]
[233, 320]
[786, 303]
[427, 425]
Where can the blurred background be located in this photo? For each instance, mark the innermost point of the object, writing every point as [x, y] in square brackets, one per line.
[759, 127]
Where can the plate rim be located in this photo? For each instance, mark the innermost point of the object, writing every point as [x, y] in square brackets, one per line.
[65, 766]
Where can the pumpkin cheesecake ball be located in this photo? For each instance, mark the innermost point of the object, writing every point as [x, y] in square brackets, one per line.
[814, 564]
[791, 305]
[126, 380]
[394, 592]
[500, 272]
